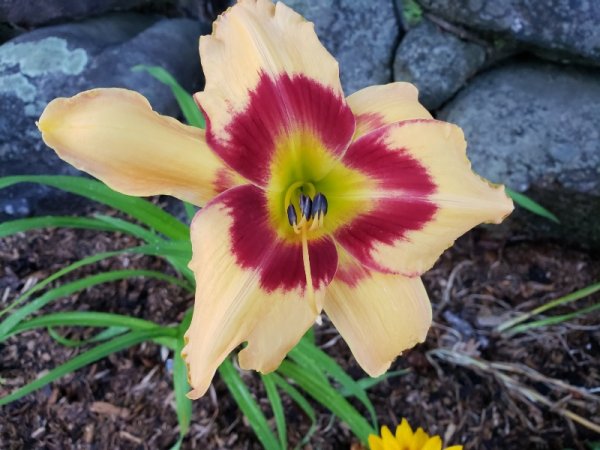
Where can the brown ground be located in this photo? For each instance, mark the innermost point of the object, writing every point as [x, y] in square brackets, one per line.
[126, 402]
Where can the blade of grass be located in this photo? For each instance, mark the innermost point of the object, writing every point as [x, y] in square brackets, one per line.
[183, 405]
[8, 324]
[328, 397]
[574, 296]
[81, 360]
[190, 210]
[186, 102]
[140, 209]
[302, 403]
[531, 205]
[130, 228]
[34, 223]
[277, 407]
[309, 355]
[553, 320]
[248, 405]
[368, 382]
[178, 258]
[104, 335]
[85, 319]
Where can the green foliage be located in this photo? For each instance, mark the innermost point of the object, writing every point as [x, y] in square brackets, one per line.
[327, 396]
[186, 102]
[412, 13]
[142, 210]
[530, 205]
[517, 324]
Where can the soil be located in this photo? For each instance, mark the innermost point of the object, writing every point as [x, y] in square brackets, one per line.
[455, 385]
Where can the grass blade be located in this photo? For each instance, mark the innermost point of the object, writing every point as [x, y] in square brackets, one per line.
[277, 407]
[531, 205]
[104, 335]
[177, 256]
[553, 320]
[302, 403]
[186, 102]
[183, 405]
[574, 296]
[8, 324]
[248, 405]
[85, 319]
[88, 357]
[34, 223]
[309, 355]
[368, 382]
[328, 397]
[138, 208]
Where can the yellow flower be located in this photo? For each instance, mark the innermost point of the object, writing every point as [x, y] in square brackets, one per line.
[405, 439]
[313, 201]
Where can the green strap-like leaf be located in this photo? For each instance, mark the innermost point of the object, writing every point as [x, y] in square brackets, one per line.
[140, 209]
[302, 403]
[183, 405]
[33, 223]
[86, 319]
[328, 397]
[277, 407]
[8, 324]
[309, 355]
[88, 357]
[186, 102]
[248, 405]
[531, 205]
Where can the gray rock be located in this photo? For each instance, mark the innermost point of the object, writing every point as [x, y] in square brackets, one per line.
[61, 61]
[361, 34]
[564, 26]
[534, 126]
[437, 62]
[36, 12]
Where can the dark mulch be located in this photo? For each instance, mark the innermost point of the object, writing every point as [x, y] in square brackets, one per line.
[125, 401]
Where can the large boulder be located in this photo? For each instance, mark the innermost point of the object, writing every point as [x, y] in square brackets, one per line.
[61, 61]
[566, 27]
[534, 126]
[361, 34]
[35, 12]
[437, 62]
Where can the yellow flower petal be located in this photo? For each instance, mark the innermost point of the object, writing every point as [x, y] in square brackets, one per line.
[114, 135]
[250, 286]
[388, 439]
[377, 106]
[455, 447]
[419, 439]
[267, 75]
[433, 443]
[404, 433]
[426, 196]
[375, 443]
[378, 315]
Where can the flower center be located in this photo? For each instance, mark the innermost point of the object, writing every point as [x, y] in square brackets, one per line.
[312, 206]
[302, 197]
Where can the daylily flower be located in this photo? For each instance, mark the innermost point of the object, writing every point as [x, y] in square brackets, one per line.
[313, 202]
[406, 439]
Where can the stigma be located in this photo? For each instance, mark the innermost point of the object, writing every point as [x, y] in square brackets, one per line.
[312, 213]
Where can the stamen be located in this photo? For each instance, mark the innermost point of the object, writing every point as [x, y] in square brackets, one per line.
[305, 206]
[319, 205]
[292, 217]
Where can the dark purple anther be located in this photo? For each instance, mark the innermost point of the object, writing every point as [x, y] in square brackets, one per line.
[305, 206]
[291, 213]
[319, 205]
